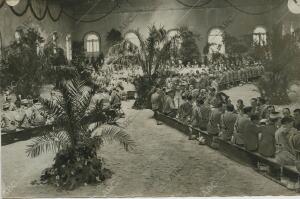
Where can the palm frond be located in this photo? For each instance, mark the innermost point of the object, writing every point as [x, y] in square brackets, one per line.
[112, 133]
[53, 108]
[83, 103]
[46, 143]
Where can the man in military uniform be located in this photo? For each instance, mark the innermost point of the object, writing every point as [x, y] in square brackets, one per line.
[235, 76]
[284, 153]
[39, 116]
[115, 99]
[239, 72]
[246, 132]
[297, 119]
[169, 108]
[156, 101]
[21, 115]
[266, 145]
[12, 105]
[254, 105]
[228, 120]
[262, 108]
[8, 122]
[185, 110]
[214, 123]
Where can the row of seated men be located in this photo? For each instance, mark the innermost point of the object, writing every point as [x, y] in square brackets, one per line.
[26, 114]
[258, 127]
[23, 114]
[215, 78]
[243, 74]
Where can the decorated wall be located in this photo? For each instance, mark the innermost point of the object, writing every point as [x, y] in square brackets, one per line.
[237, 17]
[45, 16]
[171, 15]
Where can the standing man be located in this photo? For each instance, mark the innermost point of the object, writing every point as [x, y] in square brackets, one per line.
[156, 101]
[254, 105]
[297, 119]
[262, 108]
[115, 100]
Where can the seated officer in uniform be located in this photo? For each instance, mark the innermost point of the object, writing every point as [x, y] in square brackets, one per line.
[284, 153]
[297, 119]
[22, 114]
[246, 132]
[115, 100]
[214, 123]
[169, 106]
[228, 120]
[185, 109]
[38, 117]
[242, 119]
[12, 105]
[266, 146]
[8, 123]
[262, 108]
[156, 102]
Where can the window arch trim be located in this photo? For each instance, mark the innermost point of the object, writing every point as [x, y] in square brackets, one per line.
[260, 36]
[222, 31]
[85, 43]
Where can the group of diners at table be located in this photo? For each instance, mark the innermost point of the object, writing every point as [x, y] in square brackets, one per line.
[23, 113]
[259, 127]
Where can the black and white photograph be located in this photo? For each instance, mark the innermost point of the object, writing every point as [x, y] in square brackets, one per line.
[149, 98]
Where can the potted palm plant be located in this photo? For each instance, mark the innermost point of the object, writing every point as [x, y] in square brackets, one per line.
[153, 53]
[75, 140]
[280, 56]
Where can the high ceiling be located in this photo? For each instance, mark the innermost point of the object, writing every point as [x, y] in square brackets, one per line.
[101, 6]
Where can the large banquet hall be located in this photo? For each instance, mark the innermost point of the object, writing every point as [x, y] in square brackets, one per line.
[149, 98]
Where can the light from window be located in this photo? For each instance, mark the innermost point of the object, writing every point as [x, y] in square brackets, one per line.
[0, 47]
[174, 36]
[260, 36]
[133, 39]
[216, 41]
[69, 47]
[92, 43]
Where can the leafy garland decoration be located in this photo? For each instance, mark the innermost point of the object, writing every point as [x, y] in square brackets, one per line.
[254, 13]
[35, 14]
[93, 20]
[51, 16]
[21, 13]
[2, 3]
[29, 5]
[194, 6]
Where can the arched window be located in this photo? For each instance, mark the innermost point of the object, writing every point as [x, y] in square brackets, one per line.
[174, 36]
[216, 41]
[92, 44]
[260, 36]
[0, 47]
[69, 47]
[133, 39]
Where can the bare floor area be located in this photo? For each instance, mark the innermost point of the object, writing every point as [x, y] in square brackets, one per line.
[165, 163]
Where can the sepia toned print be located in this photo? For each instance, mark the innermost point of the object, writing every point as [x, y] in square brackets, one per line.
[150, 98]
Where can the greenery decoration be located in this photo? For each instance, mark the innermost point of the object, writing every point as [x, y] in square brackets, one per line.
[75, 141]
[281, 59]
[113, 37]
[21, 67]
[189, 50]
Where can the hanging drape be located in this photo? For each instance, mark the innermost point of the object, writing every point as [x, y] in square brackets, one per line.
[38, 8]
